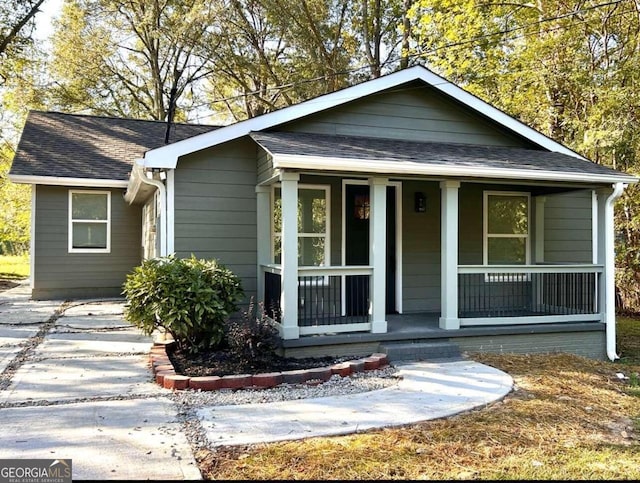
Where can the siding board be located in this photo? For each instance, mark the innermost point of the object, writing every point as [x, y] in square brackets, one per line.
[59, 274]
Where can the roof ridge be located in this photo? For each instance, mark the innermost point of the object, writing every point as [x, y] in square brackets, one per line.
[59, 113]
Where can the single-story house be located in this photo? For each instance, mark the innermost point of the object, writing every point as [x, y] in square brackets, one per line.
[402, 210]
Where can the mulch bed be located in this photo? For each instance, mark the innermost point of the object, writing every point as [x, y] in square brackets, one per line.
[224, 362]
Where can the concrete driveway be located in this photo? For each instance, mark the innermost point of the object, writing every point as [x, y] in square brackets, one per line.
[75, 384]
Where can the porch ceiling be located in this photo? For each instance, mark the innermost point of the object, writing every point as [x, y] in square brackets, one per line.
[377, 155]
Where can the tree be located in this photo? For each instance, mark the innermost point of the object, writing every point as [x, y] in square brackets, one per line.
[139, 57]
[16, 25]
[568, 68]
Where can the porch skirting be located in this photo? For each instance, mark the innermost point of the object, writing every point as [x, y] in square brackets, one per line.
[586, 339]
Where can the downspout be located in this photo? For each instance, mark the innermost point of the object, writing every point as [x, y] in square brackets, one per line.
[609, 268]
[163, 205]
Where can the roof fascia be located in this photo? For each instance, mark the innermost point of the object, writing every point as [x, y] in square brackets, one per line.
[61, 181]
[283, 161]
[167, 156]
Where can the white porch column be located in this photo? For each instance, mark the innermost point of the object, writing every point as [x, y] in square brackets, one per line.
[289, 295]
[377, 252]
[606, 257]
[263, 213]
[449, 255]
[539, 229]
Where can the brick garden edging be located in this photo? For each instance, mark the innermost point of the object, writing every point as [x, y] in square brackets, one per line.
[165, 374]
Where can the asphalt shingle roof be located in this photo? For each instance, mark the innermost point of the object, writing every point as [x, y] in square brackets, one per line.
[81, 146]
[428, 153]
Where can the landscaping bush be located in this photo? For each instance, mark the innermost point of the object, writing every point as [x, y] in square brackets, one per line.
[190, 298]
[253, 338]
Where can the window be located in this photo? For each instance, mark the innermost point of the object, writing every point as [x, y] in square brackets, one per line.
[506, 228]
[89, 221]
[313, 225]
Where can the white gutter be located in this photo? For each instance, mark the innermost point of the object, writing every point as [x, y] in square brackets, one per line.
[609, 271]
[139, 172]
[62, 181]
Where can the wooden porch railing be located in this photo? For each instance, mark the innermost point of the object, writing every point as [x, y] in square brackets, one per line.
[505, 294]
[330, 299]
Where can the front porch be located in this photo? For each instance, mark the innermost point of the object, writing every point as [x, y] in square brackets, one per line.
[466, 287]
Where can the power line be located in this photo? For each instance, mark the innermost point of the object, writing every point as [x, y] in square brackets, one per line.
[421, 54]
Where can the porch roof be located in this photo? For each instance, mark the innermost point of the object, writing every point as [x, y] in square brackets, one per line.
[293, 150]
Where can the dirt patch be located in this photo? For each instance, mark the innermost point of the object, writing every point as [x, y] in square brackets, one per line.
[7, 284]
[224, 362]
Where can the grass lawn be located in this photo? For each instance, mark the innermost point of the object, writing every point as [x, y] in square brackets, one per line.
[568, 417]
[14, 267]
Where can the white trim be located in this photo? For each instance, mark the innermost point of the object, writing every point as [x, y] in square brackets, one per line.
[449, 243]
[326, 234]
[391, 167]
[335, 328]
[32, 241]
[61, 181]
[534, 319]
[71, 222]
[539, 229]
[167, 156]
[594, 226]
[485, 225]
[343, 242]
[171, 191]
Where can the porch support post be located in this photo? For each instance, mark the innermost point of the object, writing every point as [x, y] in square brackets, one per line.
[377, 253]
[449, 255]
[606, 257]
[263, 224]
[539, 229]
[289, 296]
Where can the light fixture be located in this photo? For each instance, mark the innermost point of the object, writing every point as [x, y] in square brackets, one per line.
[420, 202]
[361, 207]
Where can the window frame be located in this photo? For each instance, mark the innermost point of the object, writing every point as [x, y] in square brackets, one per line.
[327, 233]
[71, 222]
[486, 235]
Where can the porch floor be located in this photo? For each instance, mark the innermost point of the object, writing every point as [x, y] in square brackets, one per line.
[420, 326]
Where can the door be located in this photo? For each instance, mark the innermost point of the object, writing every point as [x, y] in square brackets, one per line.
[357, 248]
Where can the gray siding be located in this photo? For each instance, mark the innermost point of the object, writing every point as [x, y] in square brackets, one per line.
[421, 249]
[63, 275]
[568, 227]
[265, 166]
[417, 113]
[215, 208]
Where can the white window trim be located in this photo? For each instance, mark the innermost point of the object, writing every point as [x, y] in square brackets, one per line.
[486, 235]
[72, 221]
[326, 234]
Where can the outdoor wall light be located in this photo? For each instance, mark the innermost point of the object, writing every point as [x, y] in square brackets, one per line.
[420, 202]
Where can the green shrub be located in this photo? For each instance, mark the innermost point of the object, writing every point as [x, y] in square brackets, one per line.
[253, 338]
[190, 298]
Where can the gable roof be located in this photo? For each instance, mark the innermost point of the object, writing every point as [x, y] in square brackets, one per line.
[55, 147]
[389, 156]
[167, 156]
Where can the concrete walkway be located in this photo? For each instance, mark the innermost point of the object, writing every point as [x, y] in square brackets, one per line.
[75, 383]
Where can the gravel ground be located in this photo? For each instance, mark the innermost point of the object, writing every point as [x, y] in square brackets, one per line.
[337, 385]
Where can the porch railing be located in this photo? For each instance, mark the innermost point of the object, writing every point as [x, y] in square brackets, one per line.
[330, 299]
[505, 294]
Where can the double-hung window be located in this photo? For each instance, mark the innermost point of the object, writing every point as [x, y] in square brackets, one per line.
[506, 228]
[89, 221]
[313, 225]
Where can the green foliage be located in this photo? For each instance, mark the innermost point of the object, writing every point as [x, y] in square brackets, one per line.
[253, 338]
[190, 298]
[15, 209]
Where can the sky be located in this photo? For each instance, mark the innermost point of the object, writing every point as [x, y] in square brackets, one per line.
[48, 10]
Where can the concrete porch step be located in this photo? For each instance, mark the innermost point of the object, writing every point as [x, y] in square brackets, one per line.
[420, 350]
